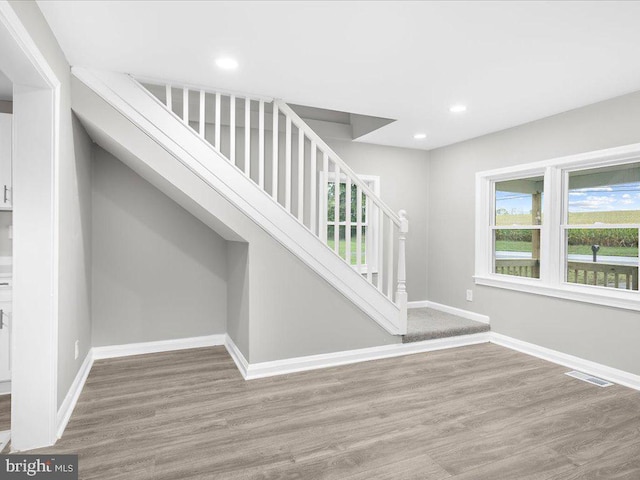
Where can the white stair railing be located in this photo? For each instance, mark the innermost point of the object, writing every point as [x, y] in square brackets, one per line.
[304, 175]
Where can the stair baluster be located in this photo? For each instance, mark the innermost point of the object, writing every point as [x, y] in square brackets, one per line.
[287, 166]
[201, 121]
[261, 144]
[247, 137]
[300, 192]
[382, 228]
[274, 154]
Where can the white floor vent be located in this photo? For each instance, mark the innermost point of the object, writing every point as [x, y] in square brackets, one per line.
[589, 379]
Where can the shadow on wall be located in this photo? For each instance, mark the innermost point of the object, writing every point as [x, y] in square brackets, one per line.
[6, 106]
[158, 272]
[82, 151]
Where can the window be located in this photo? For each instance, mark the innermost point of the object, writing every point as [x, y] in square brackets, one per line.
[567, 227]
[601, 226]
[369, 233]
[516, 227]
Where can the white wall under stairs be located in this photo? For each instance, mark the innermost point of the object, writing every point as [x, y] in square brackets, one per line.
[295, 296]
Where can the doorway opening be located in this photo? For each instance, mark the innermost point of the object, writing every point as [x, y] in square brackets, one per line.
[33, 319]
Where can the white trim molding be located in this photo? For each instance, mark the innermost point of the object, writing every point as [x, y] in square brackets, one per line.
[575, 363]
[128, 349]
[116, 351]
[418, 304]
[237, 356]
[5, 387]
[126, 97]
[553, 261]
[602, 296]
[314, 362]
[35, 343]
[71, 399]
[469, 315]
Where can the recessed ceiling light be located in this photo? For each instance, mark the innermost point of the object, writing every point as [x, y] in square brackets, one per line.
[227, 63]
[420, 136]
[458, 108]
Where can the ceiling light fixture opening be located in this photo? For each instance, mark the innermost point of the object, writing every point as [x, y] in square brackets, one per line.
[458, 108]
[227, 63]
[420, 136]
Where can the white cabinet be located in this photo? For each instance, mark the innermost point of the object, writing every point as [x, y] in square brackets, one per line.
[5, 340]
[5, 161]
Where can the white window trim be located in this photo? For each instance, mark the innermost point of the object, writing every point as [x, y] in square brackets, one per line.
[373, 181]
[552, 259]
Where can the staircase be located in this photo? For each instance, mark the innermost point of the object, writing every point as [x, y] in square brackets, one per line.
[261, 158]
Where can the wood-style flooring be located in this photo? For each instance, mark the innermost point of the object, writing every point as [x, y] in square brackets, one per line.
[5, 412]
[479, 412]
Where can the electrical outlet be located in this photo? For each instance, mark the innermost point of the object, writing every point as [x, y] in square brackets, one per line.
[77, 349]
[469, 295]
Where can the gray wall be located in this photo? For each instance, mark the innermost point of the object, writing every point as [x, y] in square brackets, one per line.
[6, 106]
[404, 177]
[292, 310]
[600, 334]
[238, 300]
[74, 226]
[295, 312]
[158, 272]
[270, 290]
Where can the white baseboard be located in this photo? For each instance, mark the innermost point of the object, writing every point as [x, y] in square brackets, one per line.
[237, 356]
[70, 400]
[291, 365]
[5, 388]
[114, 351]
[418, 304]
[478, 317]
[575, 363]
[313, 362]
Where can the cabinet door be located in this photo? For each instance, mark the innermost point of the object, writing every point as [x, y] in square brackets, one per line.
[5, 342]
[5, 160]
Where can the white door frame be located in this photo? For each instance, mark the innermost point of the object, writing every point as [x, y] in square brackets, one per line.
[35, 234]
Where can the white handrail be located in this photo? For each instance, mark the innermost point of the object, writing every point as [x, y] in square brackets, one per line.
[333, 156]
[382, 267]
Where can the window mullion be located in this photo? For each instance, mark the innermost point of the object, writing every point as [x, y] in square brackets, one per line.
[552, 238]
[590, 200]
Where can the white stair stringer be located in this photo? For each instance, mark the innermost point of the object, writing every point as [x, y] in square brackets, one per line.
[139, 106]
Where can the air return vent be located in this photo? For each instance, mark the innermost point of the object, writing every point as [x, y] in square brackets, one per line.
[589, 379]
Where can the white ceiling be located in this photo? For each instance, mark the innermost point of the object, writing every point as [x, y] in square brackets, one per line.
[509, 62]
[6, 87]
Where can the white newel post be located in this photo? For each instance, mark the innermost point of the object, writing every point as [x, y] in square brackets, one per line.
[401, 292]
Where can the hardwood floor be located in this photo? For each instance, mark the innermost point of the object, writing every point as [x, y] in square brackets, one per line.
[5, 412]
[479, 412]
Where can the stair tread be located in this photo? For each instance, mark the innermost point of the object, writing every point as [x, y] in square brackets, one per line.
[428, 324]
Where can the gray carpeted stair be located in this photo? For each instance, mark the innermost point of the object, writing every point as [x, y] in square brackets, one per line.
[427, 324]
